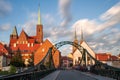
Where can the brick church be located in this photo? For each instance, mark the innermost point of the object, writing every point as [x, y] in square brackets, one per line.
[32, 45]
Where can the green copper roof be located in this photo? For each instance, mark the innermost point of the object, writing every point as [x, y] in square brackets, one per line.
[39, 18]
[14, 31]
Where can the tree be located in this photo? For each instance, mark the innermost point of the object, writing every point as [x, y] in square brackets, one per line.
[12, 69]
[31, 60]
[17, 59]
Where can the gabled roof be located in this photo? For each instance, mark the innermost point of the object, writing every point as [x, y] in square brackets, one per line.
[23, 35]
[87, 47]
[42, 51]
[3, 49]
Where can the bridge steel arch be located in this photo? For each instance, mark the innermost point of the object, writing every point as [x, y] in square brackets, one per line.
[82, 50]
[78, 46]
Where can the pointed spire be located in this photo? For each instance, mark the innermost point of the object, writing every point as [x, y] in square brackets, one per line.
[14, 31]
[39, 18]
[81, 34]
[75, 34]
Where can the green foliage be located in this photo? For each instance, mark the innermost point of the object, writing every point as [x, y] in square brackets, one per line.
[31, 60]
[4, 72]
[17, 60]
[12, 69]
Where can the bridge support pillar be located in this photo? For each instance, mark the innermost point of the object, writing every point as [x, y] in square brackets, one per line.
[86, 59]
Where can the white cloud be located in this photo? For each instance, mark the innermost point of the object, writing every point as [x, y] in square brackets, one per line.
[49, 19]
[64, 10]
[99, 32]
[5, 8]
[5, 27]
[102, 30]
[89, 26]
[30, 25]
[111, 12]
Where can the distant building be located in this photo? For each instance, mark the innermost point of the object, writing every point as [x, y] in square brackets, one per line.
[103, 57]
[106, 57]
[109, 59]
[4, 56]
[30, 45]
[66, 61]
[77, 55]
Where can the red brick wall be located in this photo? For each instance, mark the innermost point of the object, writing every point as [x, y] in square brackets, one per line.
[42, 51]
[39, 33]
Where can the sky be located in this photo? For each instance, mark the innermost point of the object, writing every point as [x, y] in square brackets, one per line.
[99, 20]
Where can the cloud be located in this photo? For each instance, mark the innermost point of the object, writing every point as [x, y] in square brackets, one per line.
[64, 10]
[5, 27]
[99, 32]
[112, 12]
[5, 8]
[30, 25]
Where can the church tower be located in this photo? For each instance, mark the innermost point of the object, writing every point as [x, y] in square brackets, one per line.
[75, 41]
[39, 29]
[14, 34]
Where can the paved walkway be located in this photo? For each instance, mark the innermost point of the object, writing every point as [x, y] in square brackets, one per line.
[73, 75]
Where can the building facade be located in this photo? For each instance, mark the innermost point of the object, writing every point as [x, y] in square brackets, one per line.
[109, 59]
[77, 55]
[30, 45]
[4, 56]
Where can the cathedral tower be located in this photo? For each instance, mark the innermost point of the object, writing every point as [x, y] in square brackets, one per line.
[39, 29]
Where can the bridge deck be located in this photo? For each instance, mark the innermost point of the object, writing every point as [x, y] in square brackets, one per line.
[73, 75]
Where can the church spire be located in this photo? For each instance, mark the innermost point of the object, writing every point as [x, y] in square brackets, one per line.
[75, 34]
[39, 17]
[81, 33]
[75, 41]
[14, 34]
[39, 29]
[14, 31]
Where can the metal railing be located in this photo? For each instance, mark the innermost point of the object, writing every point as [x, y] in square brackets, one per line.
[35, 75]
[111, 72]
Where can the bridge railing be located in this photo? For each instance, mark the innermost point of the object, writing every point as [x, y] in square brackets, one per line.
[35, 75]
[109, 71]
